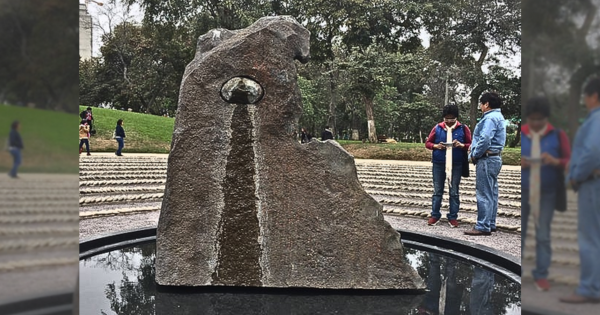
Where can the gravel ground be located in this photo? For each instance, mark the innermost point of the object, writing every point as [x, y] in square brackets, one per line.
[120, 205]
[507, 242]
[91, 228]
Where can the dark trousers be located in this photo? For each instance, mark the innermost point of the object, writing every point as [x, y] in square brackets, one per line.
[121, 145]
[87, 144]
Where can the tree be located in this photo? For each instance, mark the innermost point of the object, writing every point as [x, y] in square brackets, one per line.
[463, 33]
[351, 23]
[372, 69]
[557, 46]
[38, 55]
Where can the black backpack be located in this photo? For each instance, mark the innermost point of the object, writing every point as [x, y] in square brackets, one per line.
[83, 114]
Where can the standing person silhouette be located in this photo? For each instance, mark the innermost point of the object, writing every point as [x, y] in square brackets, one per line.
[447, 162]
[489, 138]
[120, 137]
[545, 154]
[84, 135]
[326, 134]
[584, 177]
[15, 145]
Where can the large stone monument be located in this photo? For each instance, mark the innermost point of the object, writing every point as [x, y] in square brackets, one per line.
[245, 204]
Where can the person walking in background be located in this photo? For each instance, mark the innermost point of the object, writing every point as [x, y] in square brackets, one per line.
[489, 138]
[84, 134]
[120, 136]
[15, 145]
[545, 154]
[326, 134]
[305, 137]
[89, 118]
[447, 162]
[584, 177]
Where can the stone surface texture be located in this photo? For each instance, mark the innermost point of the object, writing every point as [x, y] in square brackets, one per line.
[245, 204]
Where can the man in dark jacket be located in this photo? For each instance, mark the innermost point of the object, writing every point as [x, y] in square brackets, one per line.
[15, 145]
[120, 136]
[327, 134]
[89, 118]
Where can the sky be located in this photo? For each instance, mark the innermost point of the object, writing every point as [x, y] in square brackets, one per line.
[100, 16]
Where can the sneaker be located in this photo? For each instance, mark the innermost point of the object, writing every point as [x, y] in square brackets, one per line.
[453, 223]
[89, 154]
[542, 284]
[432, 221]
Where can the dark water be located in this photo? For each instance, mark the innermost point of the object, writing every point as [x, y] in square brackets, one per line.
[122, 282]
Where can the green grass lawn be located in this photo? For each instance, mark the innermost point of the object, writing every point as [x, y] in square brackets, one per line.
[49, 139]
[147, 133]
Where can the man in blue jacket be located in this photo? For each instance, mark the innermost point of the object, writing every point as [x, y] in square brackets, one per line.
[489, 138]
[584, 177]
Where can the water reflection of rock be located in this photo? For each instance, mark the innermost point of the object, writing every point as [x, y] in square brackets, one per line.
[455, 288]
[266, 304]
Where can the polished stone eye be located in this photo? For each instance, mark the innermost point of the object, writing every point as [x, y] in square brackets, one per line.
[241, 90]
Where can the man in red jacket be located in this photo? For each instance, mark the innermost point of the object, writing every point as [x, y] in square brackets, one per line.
[449, 141]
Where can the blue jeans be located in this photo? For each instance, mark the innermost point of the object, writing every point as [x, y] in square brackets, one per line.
[431, 300]
[543, 250]
[482, 287]
[16, 153]
[588, 235]
[439, 183]
[121, 145]
[486, 191]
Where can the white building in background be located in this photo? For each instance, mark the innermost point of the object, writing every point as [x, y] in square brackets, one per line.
[85, 32]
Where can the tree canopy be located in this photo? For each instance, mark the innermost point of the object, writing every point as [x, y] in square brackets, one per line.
[370, 73]
[38, 54]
